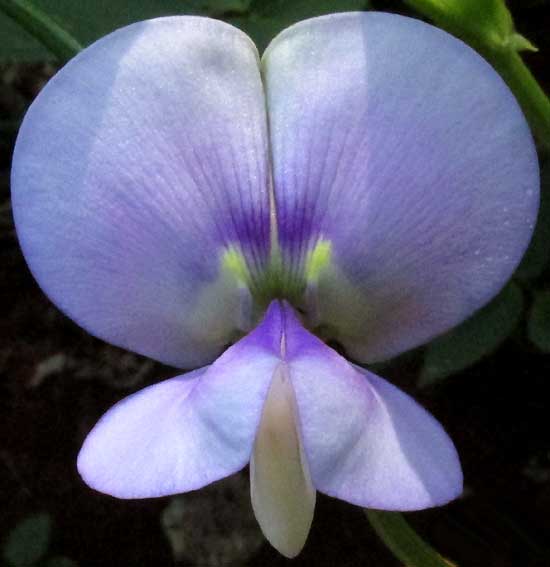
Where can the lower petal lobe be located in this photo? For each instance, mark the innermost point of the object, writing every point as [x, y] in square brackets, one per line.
[364, 440]
[404, 150]
[184, 433]
[138, 165]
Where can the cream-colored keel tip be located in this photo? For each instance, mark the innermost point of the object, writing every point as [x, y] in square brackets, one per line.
[283, 497]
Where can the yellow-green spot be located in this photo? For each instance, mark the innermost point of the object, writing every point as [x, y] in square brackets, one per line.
[318, 260]
[276, 280]
[234, 263]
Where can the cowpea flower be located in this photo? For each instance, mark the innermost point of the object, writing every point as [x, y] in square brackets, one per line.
[369, 182]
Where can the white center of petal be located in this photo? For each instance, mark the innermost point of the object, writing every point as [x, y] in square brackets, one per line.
[283, 497]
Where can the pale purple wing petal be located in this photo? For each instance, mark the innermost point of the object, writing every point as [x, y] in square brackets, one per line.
[404, 150]
[184, 433]
[140, 162]
[365, 441]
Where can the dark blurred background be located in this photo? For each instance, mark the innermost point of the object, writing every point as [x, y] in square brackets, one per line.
[486, 382]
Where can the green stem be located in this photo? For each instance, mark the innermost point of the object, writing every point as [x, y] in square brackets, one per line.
[534, 102]
[403, 541]
[63, 45]
[488, 27]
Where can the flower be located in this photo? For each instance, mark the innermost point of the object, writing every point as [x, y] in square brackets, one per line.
[370, 181]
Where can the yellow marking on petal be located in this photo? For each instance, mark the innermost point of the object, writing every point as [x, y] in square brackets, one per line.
[318, 260]
[335, 307]
[234, 262]
[223, 305]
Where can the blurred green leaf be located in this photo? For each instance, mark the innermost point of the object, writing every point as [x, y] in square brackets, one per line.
[403, 541]
[88, 21]
[267, 19]
[61, 562]
[18, 45]
[537, 256]
[538, 325]
[28, 542]
[475, 338]
[295, 10]
[41, 27]
[224, 6]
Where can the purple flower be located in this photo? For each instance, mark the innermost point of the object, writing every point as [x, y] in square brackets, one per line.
[371, 181]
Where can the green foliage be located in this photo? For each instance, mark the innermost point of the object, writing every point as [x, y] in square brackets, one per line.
[214, 7]
[28, 542]
[40, 26]
[484, 21]
[487, 26]
[537, 256]
[475, 338]
[403, 541]
[88, 21]
[538, 325]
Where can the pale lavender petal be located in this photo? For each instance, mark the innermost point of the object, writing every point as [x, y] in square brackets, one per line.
[140, 162]
[404, 151]
[365, 441]
[184, 433]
